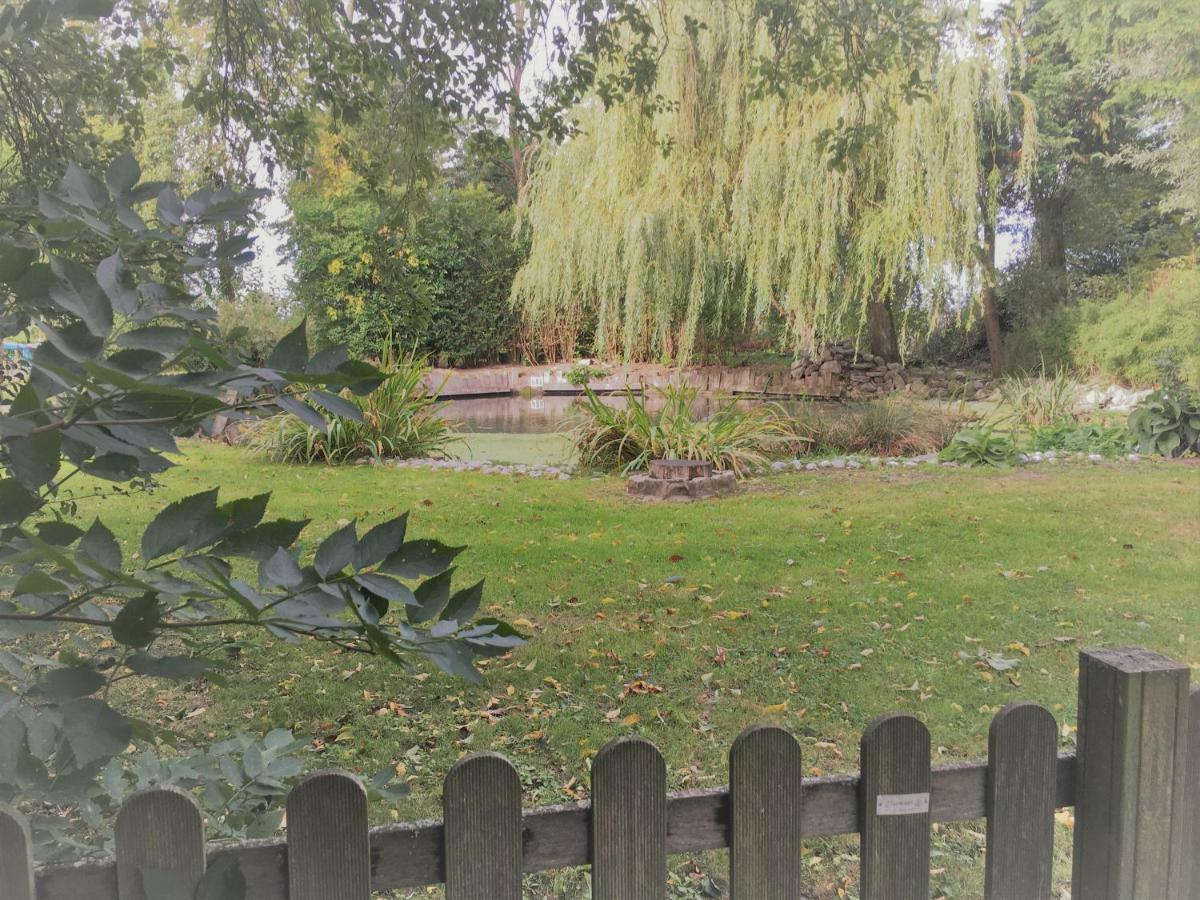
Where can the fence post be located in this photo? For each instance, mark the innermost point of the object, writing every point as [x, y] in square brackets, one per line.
[1194, 785]
[329, 846]
[481, 804]
[160, 844]
[16, 856]
[1021, 782]
[893, 818]
[1131, 813]
[629, 821]
[765, 798]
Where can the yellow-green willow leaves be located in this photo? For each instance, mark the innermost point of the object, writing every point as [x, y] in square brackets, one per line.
[723, 213]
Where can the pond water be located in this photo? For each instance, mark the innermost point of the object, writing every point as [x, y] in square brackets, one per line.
[552, 413]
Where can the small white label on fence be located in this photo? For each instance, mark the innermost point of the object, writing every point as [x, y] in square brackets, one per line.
[901, 804]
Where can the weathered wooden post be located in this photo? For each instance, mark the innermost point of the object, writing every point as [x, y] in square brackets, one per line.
[1131, 809]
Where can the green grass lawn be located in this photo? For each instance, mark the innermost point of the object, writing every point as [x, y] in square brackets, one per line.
[813, 601]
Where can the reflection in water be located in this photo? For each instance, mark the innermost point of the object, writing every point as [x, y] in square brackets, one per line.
[553, 412]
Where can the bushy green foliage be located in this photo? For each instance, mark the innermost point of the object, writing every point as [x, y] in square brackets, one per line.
[399, 419]
[629, 436]
[1167, 422]
[893, 426]
[468, 255]
[1040, 400]
[980, 445]
[1094, 437]
[582, 373]
[433, 276]
[250, 327]
[1120, 326]
[130, 359]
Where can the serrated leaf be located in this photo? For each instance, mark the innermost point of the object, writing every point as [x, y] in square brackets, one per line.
[291, 353]
[464, 604]
[179, 523]
[336, 551]
[432, 595]
[101, 546]
[420, 558]
[136, 622]
[382, 540]
[69, 682]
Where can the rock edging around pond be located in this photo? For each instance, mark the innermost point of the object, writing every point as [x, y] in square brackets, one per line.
[800, 464]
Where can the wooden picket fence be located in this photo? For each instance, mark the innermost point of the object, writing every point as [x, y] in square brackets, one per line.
[1135, 792]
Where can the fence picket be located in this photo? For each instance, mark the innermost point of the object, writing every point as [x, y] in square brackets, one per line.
[893, 797]
[1194, 783]
[765, 772]
[481, 803]
[329, 848]
[160, 841]
[1022, 770]
[1130, 822]
[629, 821]
[16, 856]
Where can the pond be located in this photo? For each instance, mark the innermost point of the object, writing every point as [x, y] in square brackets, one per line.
[551, 413]
[532, 430]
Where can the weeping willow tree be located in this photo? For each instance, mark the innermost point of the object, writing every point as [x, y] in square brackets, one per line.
[733, 210]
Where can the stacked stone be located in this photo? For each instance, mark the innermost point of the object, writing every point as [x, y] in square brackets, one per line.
[858, 373]
[953, 384]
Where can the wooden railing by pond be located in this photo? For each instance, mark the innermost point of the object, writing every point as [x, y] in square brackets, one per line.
[1135, 786]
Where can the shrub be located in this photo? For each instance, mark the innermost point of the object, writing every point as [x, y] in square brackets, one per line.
[893, 426]
[980, 445]
[399, 420]
[1041, 400]
[1167, 422]
[1108, 440]
[582, 373]
[251, 327]
[733, 437]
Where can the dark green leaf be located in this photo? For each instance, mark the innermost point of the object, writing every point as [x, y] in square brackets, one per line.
[75, 290]
[432, 595]
[16, 503]
[163, 339]
[335, 405]
[420, 557]
[70, 682]
[114, 279]
[383, 539]
[387, 588]
[136, 623]
[179, 524]
[336, 551]
[304, 412]
[179, 668]
[101, 546]
[281, 570]
[60, 534]
[35, 459]
[123, 173]
[291, 353]
[464, 604]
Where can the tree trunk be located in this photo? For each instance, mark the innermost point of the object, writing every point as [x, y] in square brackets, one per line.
[1050, 242]
[991, 315]
[516, 140]
[882, 330]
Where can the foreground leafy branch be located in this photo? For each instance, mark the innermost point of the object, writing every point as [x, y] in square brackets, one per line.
[109, 272]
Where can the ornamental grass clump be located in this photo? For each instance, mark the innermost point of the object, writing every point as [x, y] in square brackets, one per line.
[732, 438]
[399, 420]
[893, 426]
[1042, 400]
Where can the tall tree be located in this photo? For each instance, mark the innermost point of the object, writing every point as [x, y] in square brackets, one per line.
[822, 205]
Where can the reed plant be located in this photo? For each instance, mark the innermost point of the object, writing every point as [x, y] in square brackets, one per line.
[732, 437]
[400, 420]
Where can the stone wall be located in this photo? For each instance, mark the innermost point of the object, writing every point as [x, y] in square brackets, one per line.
[861, 375]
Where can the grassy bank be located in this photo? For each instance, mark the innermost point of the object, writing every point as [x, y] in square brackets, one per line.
[813, 601]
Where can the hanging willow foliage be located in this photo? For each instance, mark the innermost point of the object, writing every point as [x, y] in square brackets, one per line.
[723, 213]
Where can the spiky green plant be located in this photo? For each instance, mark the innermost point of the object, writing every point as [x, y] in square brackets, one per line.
[891, 426]
[1039, 400]
[400, 420]
[732, 437]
